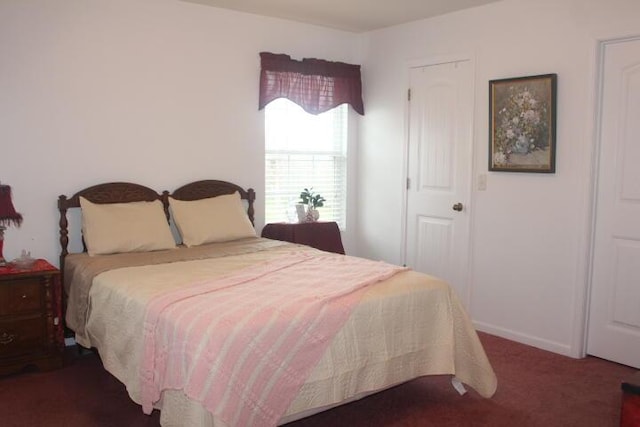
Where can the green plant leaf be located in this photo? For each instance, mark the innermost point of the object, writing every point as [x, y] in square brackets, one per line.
[308, 197]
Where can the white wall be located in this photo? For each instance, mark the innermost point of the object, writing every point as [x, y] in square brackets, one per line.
[530, 231]
[158, 92]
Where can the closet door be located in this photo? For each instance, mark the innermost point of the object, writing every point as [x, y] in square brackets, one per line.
[614, 318]
[439, 172]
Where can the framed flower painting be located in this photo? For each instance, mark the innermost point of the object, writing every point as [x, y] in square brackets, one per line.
[522, 124]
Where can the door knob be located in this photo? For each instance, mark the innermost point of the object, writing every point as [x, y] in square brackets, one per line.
[457, 207]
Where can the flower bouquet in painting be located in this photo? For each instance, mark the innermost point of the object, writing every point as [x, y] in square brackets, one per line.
[522, 124]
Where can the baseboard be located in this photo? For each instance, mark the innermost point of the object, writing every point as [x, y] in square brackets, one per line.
[531, 340]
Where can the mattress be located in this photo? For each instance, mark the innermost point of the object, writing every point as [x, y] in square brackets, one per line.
[404, 327]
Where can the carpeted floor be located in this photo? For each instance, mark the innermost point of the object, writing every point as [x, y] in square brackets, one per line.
[535, 388]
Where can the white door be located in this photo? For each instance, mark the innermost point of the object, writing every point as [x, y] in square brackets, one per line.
[439, 172]
[614, 316]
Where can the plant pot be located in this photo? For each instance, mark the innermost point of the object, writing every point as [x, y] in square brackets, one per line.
[312, 214]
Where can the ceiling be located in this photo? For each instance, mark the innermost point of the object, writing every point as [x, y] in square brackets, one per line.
[349, 15]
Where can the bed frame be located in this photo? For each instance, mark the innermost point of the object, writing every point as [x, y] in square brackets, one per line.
[126, 192]
[122, 192]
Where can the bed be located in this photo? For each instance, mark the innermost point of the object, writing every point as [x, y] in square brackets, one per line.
[140, 301]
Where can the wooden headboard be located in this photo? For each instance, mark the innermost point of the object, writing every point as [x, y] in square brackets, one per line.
[126, 192]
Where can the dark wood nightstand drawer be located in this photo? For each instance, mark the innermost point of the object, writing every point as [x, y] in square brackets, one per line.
[20, 296]
[30, 318]
[20, 337]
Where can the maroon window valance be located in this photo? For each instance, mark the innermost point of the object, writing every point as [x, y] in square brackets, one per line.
[314, 84]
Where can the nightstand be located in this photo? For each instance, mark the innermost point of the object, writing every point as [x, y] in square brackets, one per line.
[320, 235]
[31, 330]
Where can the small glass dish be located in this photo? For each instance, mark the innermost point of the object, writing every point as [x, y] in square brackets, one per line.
[25, 262]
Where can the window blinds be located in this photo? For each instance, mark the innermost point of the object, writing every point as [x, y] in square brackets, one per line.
[303, 151]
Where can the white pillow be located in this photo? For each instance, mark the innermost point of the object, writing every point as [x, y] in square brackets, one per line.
[216, 219]
[125, 227]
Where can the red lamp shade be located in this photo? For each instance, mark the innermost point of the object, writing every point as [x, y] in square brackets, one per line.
[8, 216]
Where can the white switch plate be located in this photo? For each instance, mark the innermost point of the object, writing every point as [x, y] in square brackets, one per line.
[482, 182]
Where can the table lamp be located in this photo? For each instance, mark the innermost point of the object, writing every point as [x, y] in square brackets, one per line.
[8, 216]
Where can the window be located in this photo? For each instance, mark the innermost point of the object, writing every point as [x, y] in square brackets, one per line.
[301, 151]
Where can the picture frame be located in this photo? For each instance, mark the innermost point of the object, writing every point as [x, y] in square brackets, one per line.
[522, 124]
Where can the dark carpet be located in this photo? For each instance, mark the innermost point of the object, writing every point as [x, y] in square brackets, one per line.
[535, 388]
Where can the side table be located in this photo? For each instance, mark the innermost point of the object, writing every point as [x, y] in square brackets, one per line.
[31, 330]
[320, 235]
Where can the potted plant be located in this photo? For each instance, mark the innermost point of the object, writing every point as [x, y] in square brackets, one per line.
[313, 201]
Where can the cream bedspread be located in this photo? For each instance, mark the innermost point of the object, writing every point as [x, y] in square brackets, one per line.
[407, 326]
[80, 270]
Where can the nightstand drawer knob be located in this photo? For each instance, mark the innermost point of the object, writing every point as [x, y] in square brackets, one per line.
[24, 296]
[6, 338]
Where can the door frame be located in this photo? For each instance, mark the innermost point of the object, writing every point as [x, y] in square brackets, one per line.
[426, 62]
[583, 295]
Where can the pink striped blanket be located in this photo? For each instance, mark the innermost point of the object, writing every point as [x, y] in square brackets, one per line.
[244, 344]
